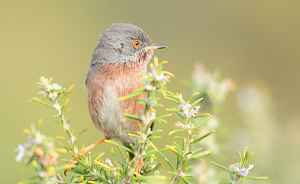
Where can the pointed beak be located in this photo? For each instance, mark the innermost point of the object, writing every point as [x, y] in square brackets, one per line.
[155, 46]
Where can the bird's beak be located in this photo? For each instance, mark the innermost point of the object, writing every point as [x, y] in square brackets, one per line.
[155, 46]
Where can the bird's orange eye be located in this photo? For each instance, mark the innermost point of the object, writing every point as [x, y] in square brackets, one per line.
[136, 43]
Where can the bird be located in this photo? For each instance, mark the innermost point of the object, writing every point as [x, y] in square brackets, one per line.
[123, 51]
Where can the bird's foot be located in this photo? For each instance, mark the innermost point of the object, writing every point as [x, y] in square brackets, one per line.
[72, 162]
[139, 166]
[81, 152]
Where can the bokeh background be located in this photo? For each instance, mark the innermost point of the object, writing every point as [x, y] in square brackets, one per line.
[256, 43]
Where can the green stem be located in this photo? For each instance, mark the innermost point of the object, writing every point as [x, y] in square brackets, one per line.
[187, 149]
[139, 155]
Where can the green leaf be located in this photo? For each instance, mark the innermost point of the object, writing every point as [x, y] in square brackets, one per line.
[130, 116]
[74, 181]
[195, 102]
[178, 137]
[83, 130]
[58, 122]
[154, 137]
[131, 95]
[187, 168]
[256, 177]
[139, 90]
[180, 114]
[164, 116]
[61, 167]
[174, 150]
[177, 146]
[152, 96]
[174, 100]
[158, 105]
[192, 96]
[78, 170]
[190, 175]
[133, 147]
[167, 160]
[66, 93]
[79, 161]
[121, 146]
[63, 146]
[145, 178]
[185, 180]
[206, 152]
[173, 173]
[154, 169]
[116, 157]
[38, 124]
[200, 115]
[147, 80]
[41, 98]
[178, 130]
[155, 131]
[224, 182]
[203, 121]
[169, 93]
[124, 159]
[44, 103]
[173, 109]
[159, 120]
[222, 167]
[197, 150]
[204, 136]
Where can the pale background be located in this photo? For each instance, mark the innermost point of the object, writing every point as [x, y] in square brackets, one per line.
[254, 42]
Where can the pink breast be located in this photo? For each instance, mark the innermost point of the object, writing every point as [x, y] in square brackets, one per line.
[121, 79]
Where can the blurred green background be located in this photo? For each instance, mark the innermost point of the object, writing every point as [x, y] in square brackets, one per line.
[256, 43]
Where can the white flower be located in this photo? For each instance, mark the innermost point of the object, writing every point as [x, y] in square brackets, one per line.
[43, 80]
[54, 179]
[186, 111]
[48, 87]
[250, 166]
[149, 87]
[150, 74]
[189, 131]
[186, 127]
[153, 116]
[108, 162]
[144, 137]
[142, 117]
[53, 95]
[189, 156]
[160, 77]
[235, 167]
[232, 167]
[21, 153]
[181, 174]
[38, 138]
[178, 124]
[56, 86]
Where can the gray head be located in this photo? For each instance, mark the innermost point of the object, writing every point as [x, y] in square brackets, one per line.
[122, 43]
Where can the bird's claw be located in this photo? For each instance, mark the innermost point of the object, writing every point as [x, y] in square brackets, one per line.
[71, 162]
[139, 166]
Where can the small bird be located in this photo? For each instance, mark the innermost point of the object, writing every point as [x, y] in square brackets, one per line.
[123, 51]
